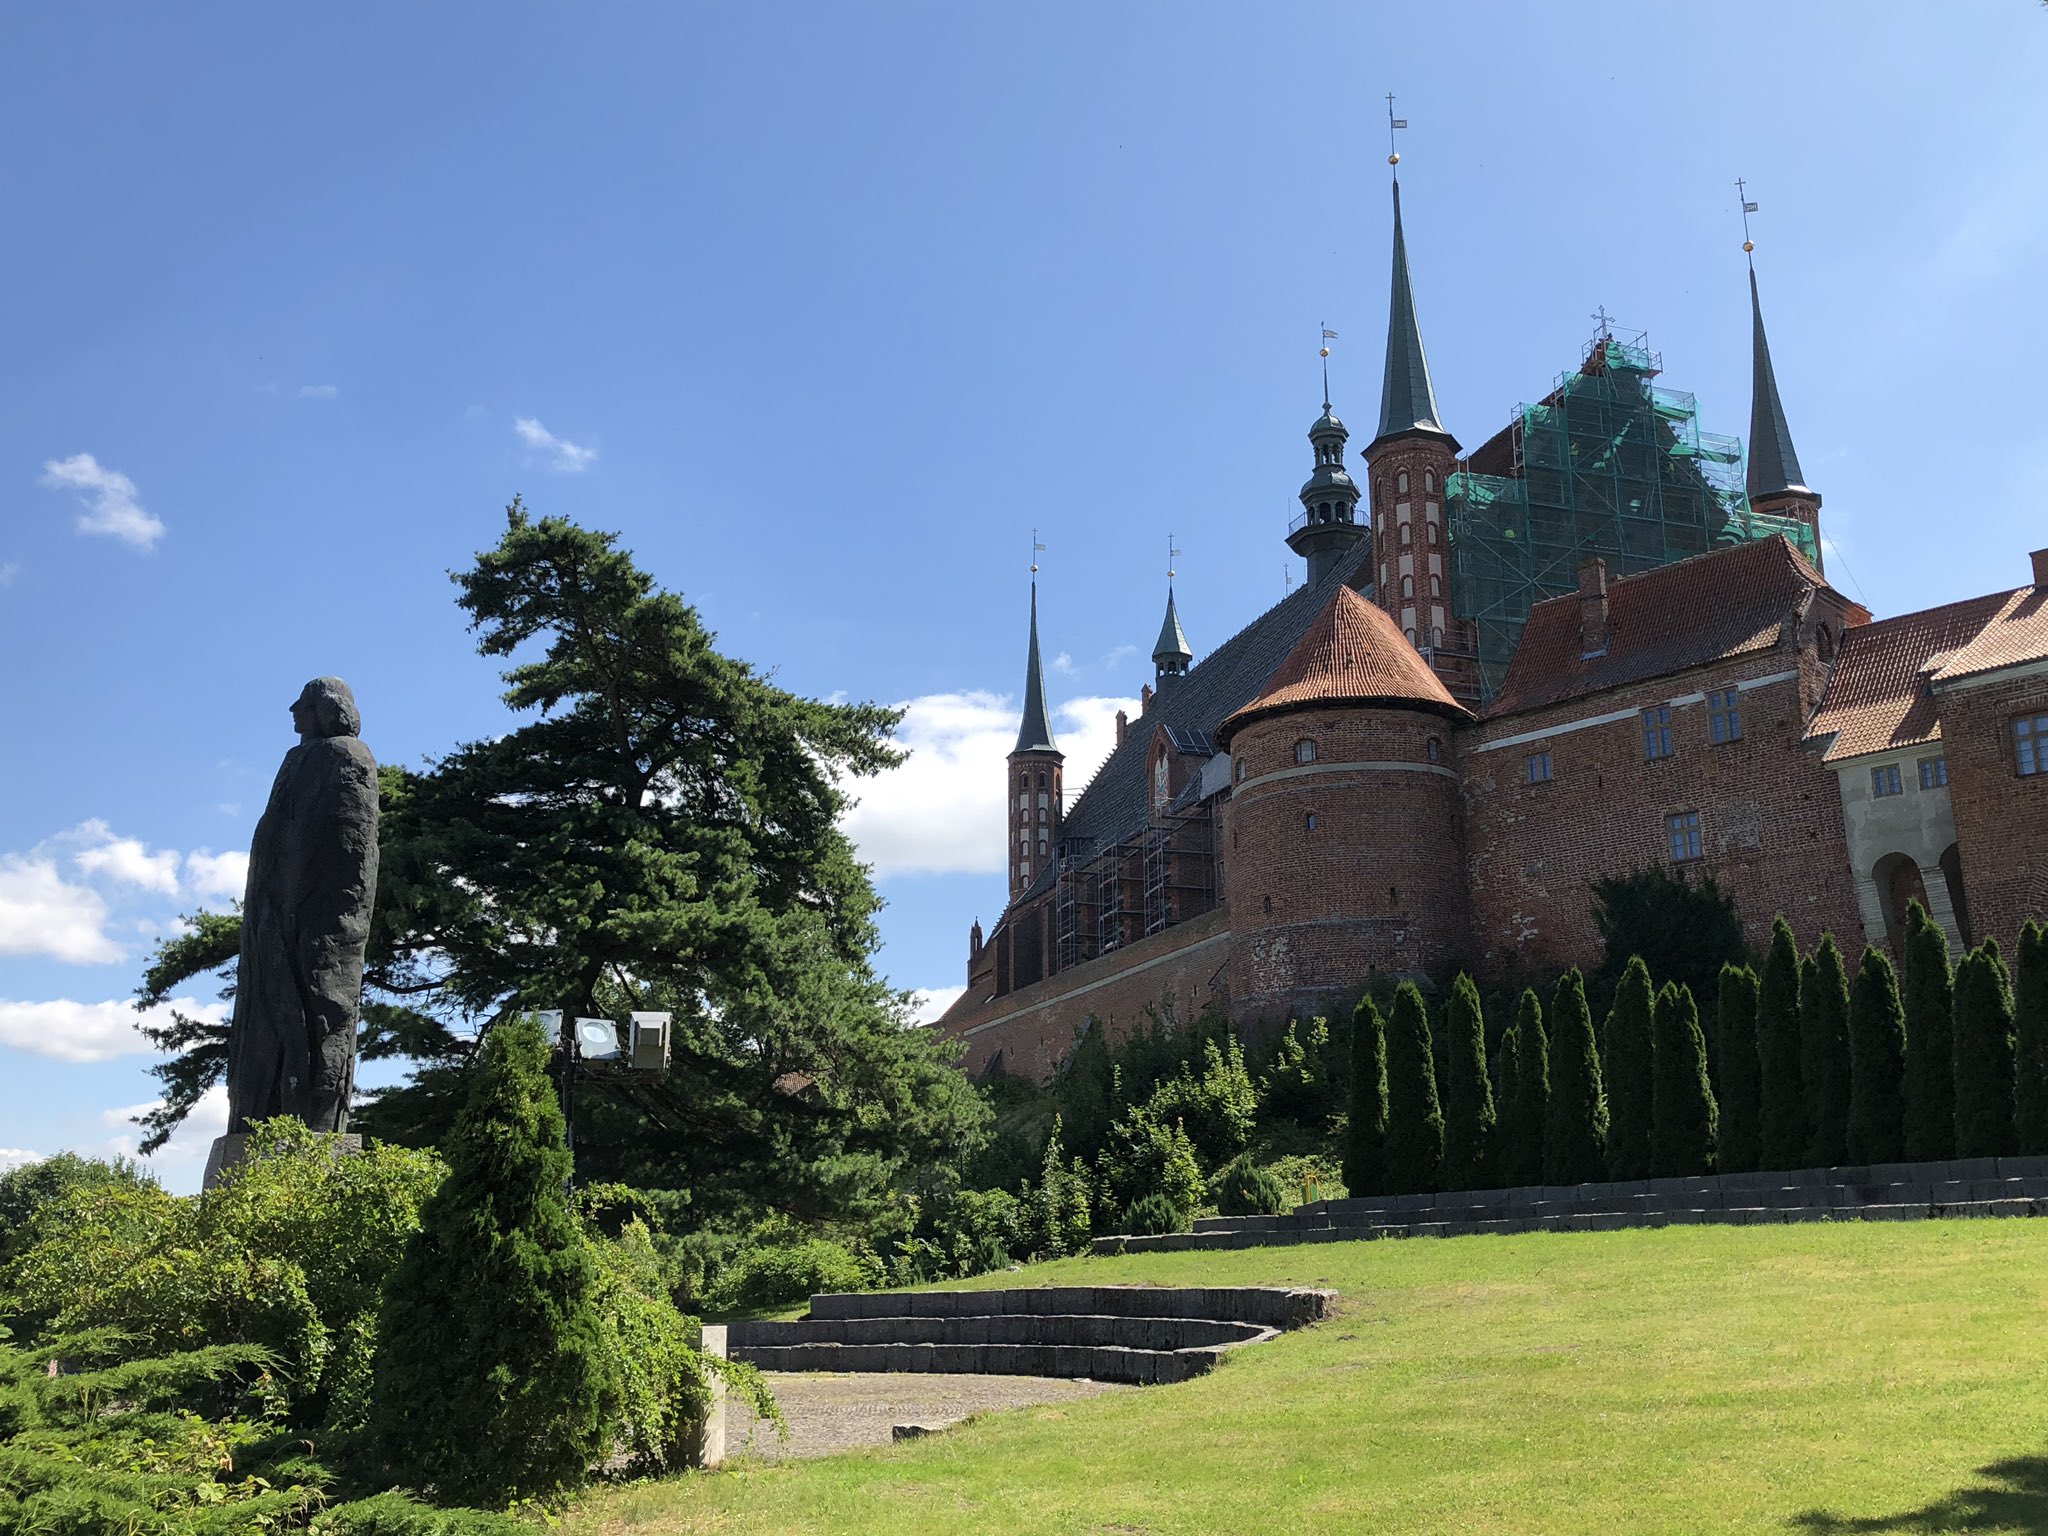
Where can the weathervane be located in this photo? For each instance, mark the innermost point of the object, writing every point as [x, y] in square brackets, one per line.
[1742, 191]
[1172, 554]
[1328, 337]
[1393, 122]
[1037, 549]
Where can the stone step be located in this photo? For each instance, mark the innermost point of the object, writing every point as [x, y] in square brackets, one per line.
[1268, 1306]
[1140, 1367]
[1167, 1333]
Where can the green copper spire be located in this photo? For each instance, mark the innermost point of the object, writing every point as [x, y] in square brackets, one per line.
[1034, 734]
[1407, 399]
[1171, 655]
[1773, 461]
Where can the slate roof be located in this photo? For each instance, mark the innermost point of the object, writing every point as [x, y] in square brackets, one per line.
[1173, 641]
[1773, 461]
[1117, 801]
[1353, 653]
[1881, 695]
[1706, 608]
[1034, 728]
[1407, 398]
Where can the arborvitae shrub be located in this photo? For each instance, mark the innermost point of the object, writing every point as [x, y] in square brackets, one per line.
[1824, 1055]
[1930, 1040]
[1783, 1133]
[490, 1374]
[1154, 1213]
[1984, 1055]
[1629, 1075]
[1529, 1105]
[1506, 1061]
[1243, 1188]
[1365, 1136]
[1575, 1119]
[1740, 1146]
[1683, 1112]
[1469, 1115]
[1415, 1121]
[2030, 1036]
[1877, 1063]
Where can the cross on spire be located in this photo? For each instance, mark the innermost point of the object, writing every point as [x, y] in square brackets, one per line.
[1604, 320]
[1748, 207]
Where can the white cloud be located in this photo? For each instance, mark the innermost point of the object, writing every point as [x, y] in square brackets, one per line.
[111, 507]
[927, 1003]
[188, 1144]
[42, 914]
[8, 571]
[1063, 663]
[942, 811]
[126, 859]
[216, 874]
[15, 1157]
[564, 457]
[71, 1031]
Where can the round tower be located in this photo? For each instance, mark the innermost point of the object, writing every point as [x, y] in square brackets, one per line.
[1342, 843]
[1328, 525]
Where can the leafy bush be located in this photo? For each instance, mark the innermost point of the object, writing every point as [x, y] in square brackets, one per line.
[1683, 930]
[26, 1192]
[1242, 1188]
[1155, 1213]
[1054, 1220]
[1145, 1155]
[763, 1278]
[1218, 1109]
[1301, 1084]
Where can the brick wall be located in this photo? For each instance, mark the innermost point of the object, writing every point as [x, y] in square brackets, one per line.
[2001, 818]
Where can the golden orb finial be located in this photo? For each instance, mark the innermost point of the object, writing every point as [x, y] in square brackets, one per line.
[1394, 159]
[1749, 245]
[1325, 352]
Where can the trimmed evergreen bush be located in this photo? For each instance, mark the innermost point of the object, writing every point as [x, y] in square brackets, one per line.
[1529, 1096]
[1155, 1213]
[1984, 1055]
[1683, 1111]
[1930, 1040]
[1415, 1121]
[1877, 1063]
[2030, 1035]
[1575, 1119]
[1824, 1055]
[1243, 1188]
[1506, 1061]
[1782, 1132]
[1365, 1137]
[1739, 1148]
[491, 1376]
[1629, 1075]
[1470, 1118]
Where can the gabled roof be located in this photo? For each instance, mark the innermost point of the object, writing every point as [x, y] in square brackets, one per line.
[1881, 696]
[1773, 461]
[1706, 608]
[1407, 397]
[1353, 653]
[1034, 731]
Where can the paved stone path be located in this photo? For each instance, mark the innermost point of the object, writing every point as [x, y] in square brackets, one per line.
[839, 1411]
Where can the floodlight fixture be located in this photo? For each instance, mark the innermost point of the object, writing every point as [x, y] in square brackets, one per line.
[551, 1025]
[650, 1035]
[598, 1040]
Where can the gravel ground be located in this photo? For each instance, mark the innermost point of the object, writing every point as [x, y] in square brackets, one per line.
[837, 1411]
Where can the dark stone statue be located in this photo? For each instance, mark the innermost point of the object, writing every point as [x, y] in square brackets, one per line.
[305, 923]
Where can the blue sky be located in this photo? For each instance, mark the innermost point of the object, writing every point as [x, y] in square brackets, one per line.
[825, 308]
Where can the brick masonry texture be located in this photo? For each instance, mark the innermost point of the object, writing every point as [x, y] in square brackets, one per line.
[2001, 817]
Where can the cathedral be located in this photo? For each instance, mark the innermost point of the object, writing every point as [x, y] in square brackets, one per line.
[1603, 640]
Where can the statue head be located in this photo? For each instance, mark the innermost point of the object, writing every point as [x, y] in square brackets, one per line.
[326, 707]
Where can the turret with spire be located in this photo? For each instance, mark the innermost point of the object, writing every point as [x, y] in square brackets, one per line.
[1774, 483]
[1328, 525]
[1032, 780]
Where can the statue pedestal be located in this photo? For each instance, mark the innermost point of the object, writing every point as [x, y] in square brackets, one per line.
[230, 1151]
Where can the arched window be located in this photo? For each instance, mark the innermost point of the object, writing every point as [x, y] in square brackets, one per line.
[1407, 534]
[1240, 770]
[1407, 586]
[1305, 750]
[1041, 778]
[1432, 531]
[1436, 586]
[1429, 479]
[1824, 643]
[1311, 821]
[1410, 633]
[1436, 636]
[1401, 481]
[1435, 750]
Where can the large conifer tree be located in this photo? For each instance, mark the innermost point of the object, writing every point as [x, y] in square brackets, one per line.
[1877, 1063]
[1575, 1120]
[1415, 1121]
[1630, 1070]
[1740, 1147]
[1683, 1112]
[1470, 1119]
[1930, 1040]
[1984, 1055]
[1824, 1054]
[490, 1375]
[1365, 1137]
[1529, 1106]
[2030, 1035]
[1783, 1132]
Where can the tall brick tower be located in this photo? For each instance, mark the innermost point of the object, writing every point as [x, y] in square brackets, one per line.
[1773, 481]
[1342, 854]
[1407, 465]
[1033, 790]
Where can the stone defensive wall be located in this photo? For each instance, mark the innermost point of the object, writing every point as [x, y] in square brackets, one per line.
[1981, 1186]
[1181, 968]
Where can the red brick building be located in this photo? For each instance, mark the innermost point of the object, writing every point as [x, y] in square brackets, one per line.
[1582, 651]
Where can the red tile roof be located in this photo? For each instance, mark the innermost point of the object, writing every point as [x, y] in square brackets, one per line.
[1881, 694]
[1706, 608]
[1351, 653]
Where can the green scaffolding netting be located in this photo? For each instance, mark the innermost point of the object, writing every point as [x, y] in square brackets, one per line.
[1608, 465]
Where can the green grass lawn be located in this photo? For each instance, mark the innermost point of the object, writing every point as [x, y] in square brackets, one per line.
[1825, 1378]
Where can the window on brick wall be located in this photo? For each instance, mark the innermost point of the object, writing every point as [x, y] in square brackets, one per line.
[1435, 749]
[1884, 782]
[1539, 767]
[1311, 821]
[1724, 715]
[1656, 732]
[1305, 750]
[2030, 744]
[1684, 832]
[1407, 534]
[1933, 773]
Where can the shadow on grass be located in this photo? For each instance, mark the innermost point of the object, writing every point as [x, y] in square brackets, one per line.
[2012, 1497]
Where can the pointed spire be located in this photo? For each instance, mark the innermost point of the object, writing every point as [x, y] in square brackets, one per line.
[1773, 462]
[1034, 732]
[1407, 398]
[1171, 655]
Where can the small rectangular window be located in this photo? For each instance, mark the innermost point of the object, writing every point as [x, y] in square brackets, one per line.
[1656, 732]
[1724, 715]
[2030, 744]
[1933, 773]
[1684, 831]
[1539, 767]
[1884, 782]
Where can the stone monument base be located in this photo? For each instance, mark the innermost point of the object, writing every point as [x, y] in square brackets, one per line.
[231, 1150]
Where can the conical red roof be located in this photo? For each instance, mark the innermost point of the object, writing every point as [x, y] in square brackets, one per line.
[1352, 653]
